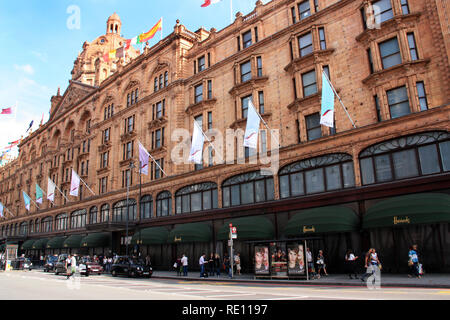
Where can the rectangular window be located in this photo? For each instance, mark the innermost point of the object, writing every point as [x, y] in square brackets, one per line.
[159, 111]
[305, 44]
[412, 46]
[261, 102]
[304, 10]
[382, 11]
[422, 96]
[195, 67]
[316, 5]
[405, 7]
[309, 83]
[166, 79]
[398, 102]
[369, 55]
[155, 85]
[104, 160]
[158, 173]
[377, 107]
[259, 66]
[210, 120]
[201, 64]
[390, 53]
[244, 105]
[106, 134]
[128, 150]
[295, 88]
[326, 69]
[294, 16]
[364, 17]
[256, 34]
[158, 138]
[199, 93]
[161, 82]
[239, 43]
[246, 71]
[209, 89]
[247, 39]
[209, 59]
[128, 100]
[263, 148]
[313, 128]
[323, 43]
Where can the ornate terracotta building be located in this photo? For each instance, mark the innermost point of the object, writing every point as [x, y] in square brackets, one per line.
[383, 184]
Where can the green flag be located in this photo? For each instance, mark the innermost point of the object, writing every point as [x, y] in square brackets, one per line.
[39, 194]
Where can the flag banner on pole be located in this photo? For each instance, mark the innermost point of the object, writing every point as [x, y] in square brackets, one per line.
[39, 194]
[31, 124]
[327, 112]
[14, 142]
[198, 141]
[143, 159]
[6, 111]
[51, 186]
[1, 210]
[27, 200]
[209, 2]
[151, 33]
[130, 42]
[120, 53]
[252, 130]
[74, 184]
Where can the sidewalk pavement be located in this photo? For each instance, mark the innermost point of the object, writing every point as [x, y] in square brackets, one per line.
[387, 280]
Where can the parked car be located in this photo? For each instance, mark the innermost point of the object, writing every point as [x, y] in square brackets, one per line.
[132, 267]
[27, 264]
[61, 264]
[50, 263]
[87, 267]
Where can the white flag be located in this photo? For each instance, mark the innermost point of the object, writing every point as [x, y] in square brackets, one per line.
[143, 159]
[51, 190]
[74, 184]
[198, 140]
[252, 130]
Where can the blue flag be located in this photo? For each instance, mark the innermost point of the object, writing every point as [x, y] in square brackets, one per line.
[1, 210]
[27, 200]
[327, 112]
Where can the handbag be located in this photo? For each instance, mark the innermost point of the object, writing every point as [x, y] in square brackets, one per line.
[410, 263]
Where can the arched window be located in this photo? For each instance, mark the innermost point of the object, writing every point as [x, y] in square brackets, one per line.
[406, 157]
[61, 222]
[23, 229]
[104, 213]
[166, 79]
[78, 219]
[120, 211]
[155, 85]
[196, 197]
[16, 229]
[163, 204]
[321, 174]
[146, 207]
[247, 188]
[47, 225]
[93, 212]
[36, 226]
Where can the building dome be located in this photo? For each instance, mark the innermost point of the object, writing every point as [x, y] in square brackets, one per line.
[114, 17]
[113, 25]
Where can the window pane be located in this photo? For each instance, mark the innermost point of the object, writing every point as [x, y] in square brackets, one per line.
[390, 53]
[429, 161]
[304, 9]
[207, 200]
[178, 205]
[305, 43]
[196, 201]
[247, 39]
[349, 174]
[270, 189]
[260, 192]
[186, 203]
[235, 200]
[247, 193]
[383, 168]
[398, 102]
[226, 197]
[297, 184]
[314, 181]
[445, 154]
[284, 187]
[246, 71]
[382, 10]
[405, 164]
[334, 181]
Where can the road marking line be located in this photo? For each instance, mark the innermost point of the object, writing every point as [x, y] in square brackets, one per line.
[288, 298]
[232, 295]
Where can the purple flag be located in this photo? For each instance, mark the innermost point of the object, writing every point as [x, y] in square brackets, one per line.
[143, 159]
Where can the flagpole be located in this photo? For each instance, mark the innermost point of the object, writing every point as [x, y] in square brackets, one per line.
[342, 103]
[60, 192]
[9, 211]
[153, 159]
[209, 141]
[35, 204]
[268, 128]
[86, 186]
[161, 28]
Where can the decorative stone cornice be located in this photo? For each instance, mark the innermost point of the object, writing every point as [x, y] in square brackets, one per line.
[200, 106]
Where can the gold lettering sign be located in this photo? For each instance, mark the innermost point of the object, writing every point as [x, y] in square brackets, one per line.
[398, 220]
[307, 229]
[177, 239]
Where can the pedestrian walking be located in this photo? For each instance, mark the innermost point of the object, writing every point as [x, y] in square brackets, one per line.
[178, 266]
[321, 264]
[350, 260]
[237, 261]
[211, 264]
[184, 262]
[309, 260]
[201, 262]
[413, 262]
[217, 264]
[108, 266]
[227, 264]
[372, 264]
[71, 265]
[148, 261]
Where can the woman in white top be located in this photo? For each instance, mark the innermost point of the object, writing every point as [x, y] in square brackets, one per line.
[350, 259]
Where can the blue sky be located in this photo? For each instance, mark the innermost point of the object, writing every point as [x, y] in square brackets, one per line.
[38, 49]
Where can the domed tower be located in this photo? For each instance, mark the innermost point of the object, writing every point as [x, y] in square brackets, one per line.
[114, 25]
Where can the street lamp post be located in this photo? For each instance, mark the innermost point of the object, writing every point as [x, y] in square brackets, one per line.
[131, 166]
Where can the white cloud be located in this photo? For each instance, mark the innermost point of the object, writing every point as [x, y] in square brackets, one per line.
[41, 56]
[27, 69]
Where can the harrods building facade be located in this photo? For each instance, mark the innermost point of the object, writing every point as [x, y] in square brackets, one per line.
[383, 184]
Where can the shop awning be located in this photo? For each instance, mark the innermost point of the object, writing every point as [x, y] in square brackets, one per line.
[248, 228]
[56, 243]
[149, 236]
[407, 210]
[322, 220]
[73, 241]
[27, 245]
[96, 240]
[40, 244]
[191, 232]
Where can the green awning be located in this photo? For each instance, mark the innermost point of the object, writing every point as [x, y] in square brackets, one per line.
[56, 243]
[149, 236]
[248, 228]
[407, 210]
[190, 232]
[96, 240]
[27, 245]
[73, 241]
[40, 244]
[322, 220]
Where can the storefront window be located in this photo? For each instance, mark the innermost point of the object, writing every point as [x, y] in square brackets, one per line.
[196, 197]
[104, 213]
[120, 210]
[78, 219]
[146, 207]
[163, 204]
[93, 215]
